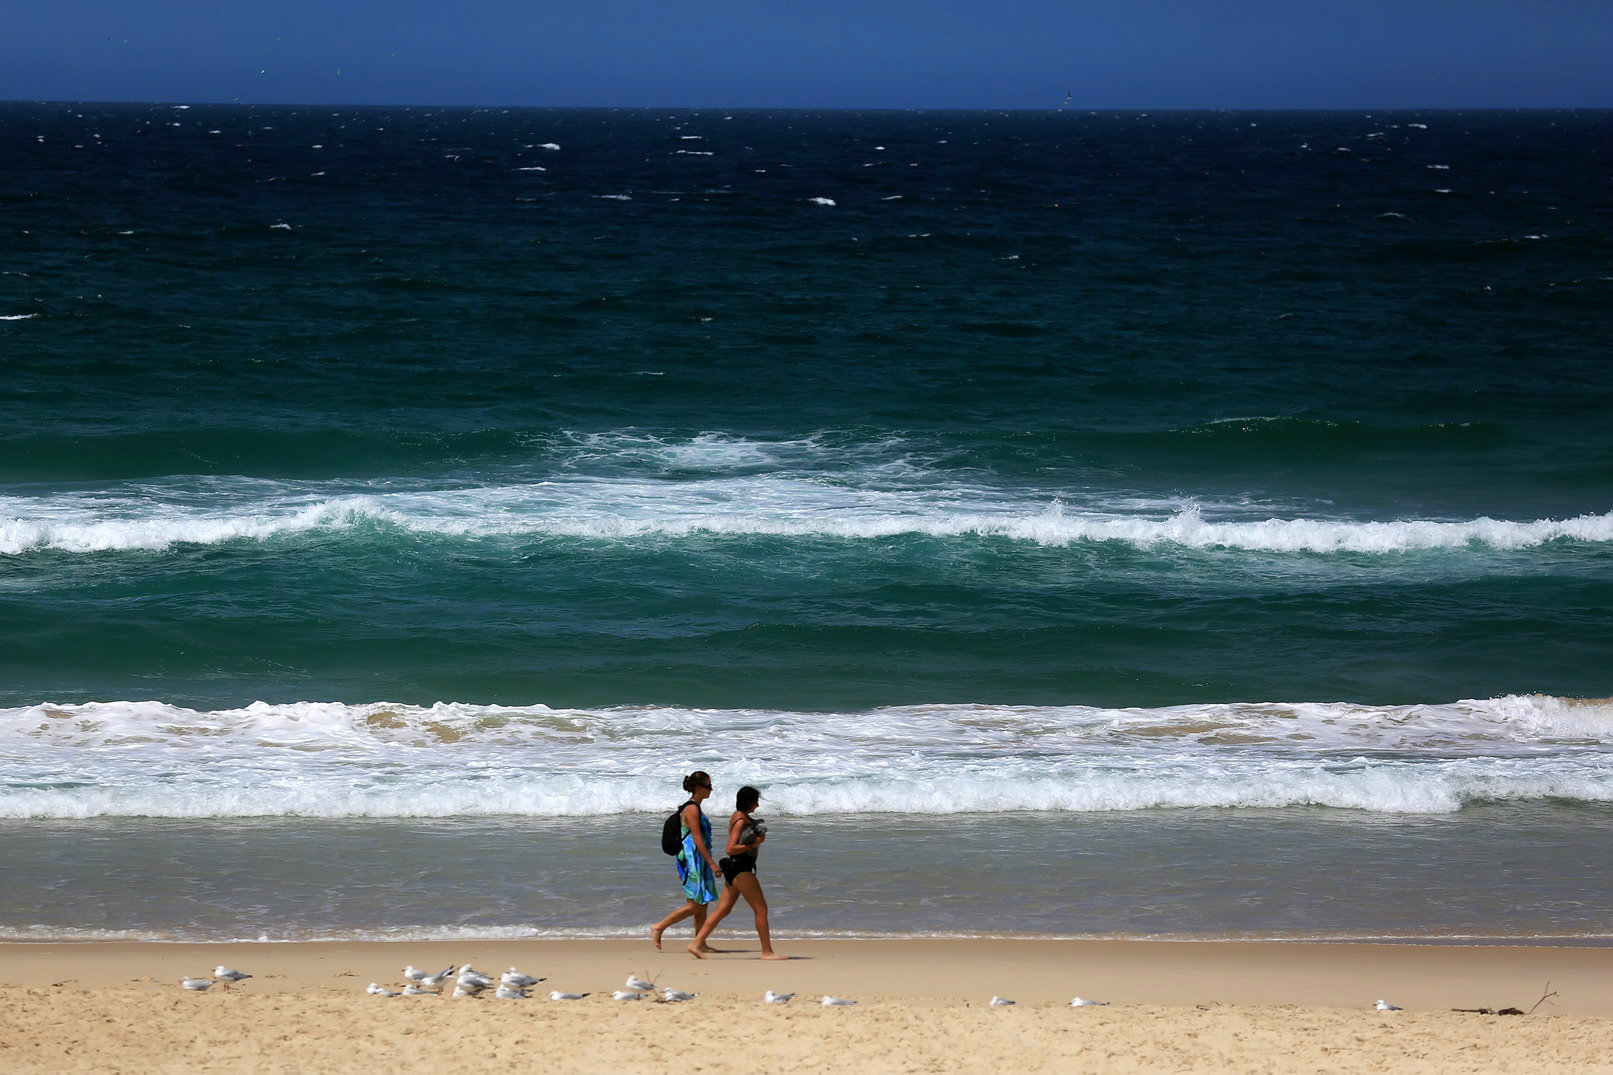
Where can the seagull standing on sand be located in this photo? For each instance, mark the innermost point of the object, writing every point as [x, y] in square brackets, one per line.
[425, 978]
[228, 975]
[469, 975]
[198, 984]
[1385, 1006]
[516, 980]
[639, 985]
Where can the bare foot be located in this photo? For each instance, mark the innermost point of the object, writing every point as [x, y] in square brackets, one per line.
[698, 953]
[655, 937]
[774, 955]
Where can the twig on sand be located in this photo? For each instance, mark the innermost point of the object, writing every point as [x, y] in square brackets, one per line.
[1544, 998]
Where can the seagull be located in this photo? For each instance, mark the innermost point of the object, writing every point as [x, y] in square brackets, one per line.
[508, 993]
[228, 975]
[557, 995]
[639, 985]
[198, 984]
[1385, 1006]
[1000, 1002]
[415, 974]
[627, 994]
[670, 994]
[1083, 1002]
[380, 991]
[771, 997]
[473, 991]
[836, 1002]
[469, 975]
[516, 980]
[412, 990]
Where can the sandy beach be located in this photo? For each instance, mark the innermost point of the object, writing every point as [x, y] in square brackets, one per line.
[922, 1006]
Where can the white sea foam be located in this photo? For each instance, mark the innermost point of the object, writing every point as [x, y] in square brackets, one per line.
[119, 759]
[21, 317]
[875, 503]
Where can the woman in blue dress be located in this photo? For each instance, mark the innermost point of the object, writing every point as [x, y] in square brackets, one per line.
[697, 869]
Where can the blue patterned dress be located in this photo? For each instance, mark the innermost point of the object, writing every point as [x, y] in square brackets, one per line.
[694, 872]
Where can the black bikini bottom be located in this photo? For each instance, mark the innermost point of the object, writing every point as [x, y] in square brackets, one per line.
[735, 865]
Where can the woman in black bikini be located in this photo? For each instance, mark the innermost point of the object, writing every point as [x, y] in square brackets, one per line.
[745, 837]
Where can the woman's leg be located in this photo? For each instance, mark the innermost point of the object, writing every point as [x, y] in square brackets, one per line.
[751, 888]
[725, 903]
[690, 908]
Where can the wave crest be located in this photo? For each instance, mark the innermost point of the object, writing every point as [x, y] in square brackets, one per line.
[449, 760]
[607, 510]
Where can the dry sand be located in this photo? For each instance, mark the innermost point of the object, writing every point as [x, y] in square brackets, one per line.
[1174, 1007]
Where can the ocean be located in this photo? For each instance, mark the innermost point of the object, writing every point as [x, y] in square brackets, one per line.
[1187, 524]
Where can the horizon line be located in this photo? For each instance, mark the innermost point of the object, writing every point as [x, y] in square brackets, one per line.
[1077, 109]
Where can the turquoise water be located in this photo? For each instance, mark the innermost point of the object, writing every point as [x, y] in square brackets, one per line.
[455, 464]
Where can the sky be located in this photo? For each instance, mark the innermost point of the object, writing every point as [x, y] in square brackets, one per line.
[1114, 54]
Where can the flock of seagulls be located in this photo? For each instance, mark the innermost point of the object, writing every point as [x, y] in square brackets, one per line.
[513, 985]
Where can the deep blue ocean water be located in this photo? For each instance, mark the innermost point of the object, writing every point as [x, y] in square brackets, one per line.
[1024, 469]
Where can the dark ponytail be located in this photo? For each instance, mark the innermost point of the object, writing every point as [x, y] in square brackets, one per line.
[696, 779]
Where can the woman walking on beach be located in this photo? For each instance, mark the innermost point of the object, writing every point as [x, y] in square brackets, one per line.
[697, 870]
[745, 837]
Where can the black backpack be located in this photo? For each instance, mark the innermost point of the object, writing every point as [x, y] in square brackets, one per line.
[672, 831]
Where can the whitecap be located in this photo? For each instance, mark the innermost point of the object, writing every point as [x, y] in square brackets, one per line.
[308, 759]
